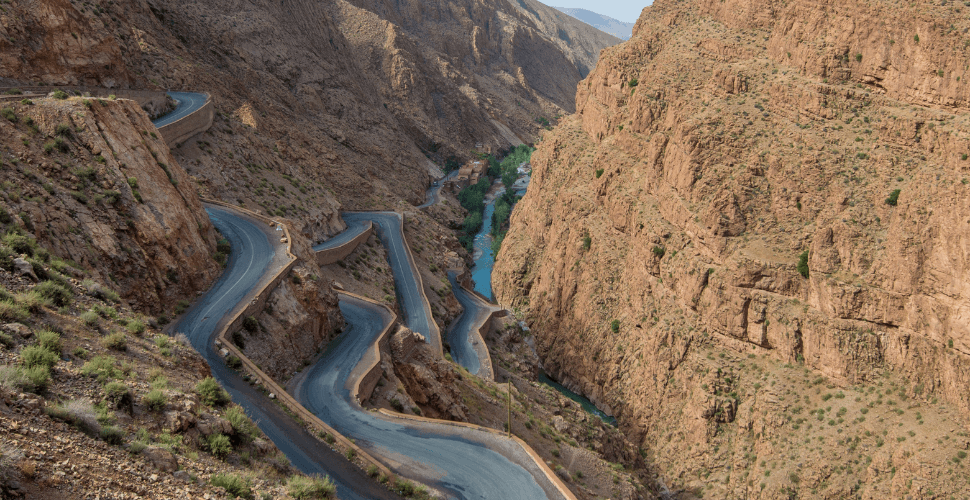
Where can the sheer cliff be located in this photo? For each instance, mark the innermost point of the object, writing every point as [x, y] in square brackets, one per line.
[758, 208]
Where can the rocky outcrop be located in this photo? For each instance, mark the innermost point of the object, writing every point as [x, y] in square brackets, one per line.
[300, 316]
[727, 185]
[428, 380]
[95, 185]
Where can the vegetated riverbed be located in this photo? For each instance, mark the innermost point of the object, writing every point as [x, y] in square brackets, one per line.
[482, 276]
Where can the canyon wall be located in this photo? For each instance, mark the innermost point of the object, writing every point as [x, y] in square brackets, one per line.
[709, 155]
[95, 185]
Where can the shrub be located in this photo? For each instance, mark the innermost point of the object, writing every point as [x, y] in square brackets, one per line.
[241, 423]
[659, 251]
[20, 243]
[235, 485]
[136, 447]
[219, 445]
[233, 362]
[615, 326]
[211, 393]
[59, 94]
[90, 318]
[303, 487]
[587, 241]
[802, 266]
[49, 340]
[136, 327]
[599, 173]
[57, 294]
[251, 324]
[32, 301]
[116, 341]
[112, 435]
[893, 198]
[63, 129]
[14, 91]
[80, 413]
[117, 394]
[397, 405]
[155, 400]
[8, 114]
[36, 355]
[101, 367]
[17, 379]
[7, 341]
[12, 312]
[99, 291]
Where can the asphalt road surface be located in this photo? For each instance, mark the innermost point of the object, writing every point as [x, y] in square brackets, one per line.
[252, 257]
[417, 314]
[459, 334]
[354, 228]
[464, 463]
[434, 192]
[188, 102]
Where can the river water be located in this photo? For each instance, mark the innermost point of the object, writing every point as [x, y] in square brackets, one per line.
[482, 276]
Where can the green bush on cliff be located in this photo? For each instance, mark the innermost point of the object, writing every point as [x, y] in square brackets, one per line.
[803, 264]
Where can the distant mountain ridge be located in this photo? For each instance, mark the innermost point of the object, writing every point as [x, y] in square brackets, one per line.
[612, 26]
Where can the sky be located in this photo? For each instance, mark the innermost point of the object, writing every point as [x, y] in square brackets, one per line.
[627, 11]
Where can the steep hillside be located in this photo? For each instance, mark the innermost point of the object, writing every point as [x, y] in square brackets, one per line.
[603, 23]
[96, 186]
[320, 105]
[759, 208]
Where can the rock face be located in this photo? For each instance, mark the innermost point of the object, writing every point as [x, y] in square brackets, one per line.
[300, 315]
[428, 380]
[94, 186]
[50, 41]
[668, 218]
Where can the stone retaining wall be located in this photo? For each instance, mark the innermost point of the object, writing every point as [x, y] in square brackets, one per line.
[195, 123]
[331, 255]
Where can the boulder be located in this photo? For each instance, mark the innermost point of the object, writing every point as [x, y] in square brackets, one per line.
[161, 458]
[23, 268]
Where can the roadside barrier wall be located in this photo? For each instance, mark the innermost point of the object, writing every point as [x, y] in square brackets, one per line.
[195, 123]
[485, 369]
[282, 396]
[431, 324]
[331, 255]
[364, 387]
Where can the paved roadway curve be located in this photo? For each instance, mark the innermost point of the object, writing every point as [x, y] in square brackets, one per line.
[188, 102]
[460, 333]
[416, 312]
[252, 258]
[464, 463]
[354, 228]
[434, 192]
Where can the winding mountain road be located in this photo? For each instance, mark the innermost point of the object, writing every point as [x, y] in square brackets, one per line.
[415, 309]
[465, 463]
[462, 462]
[466, 348]
[254, 259]
[188, 102]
